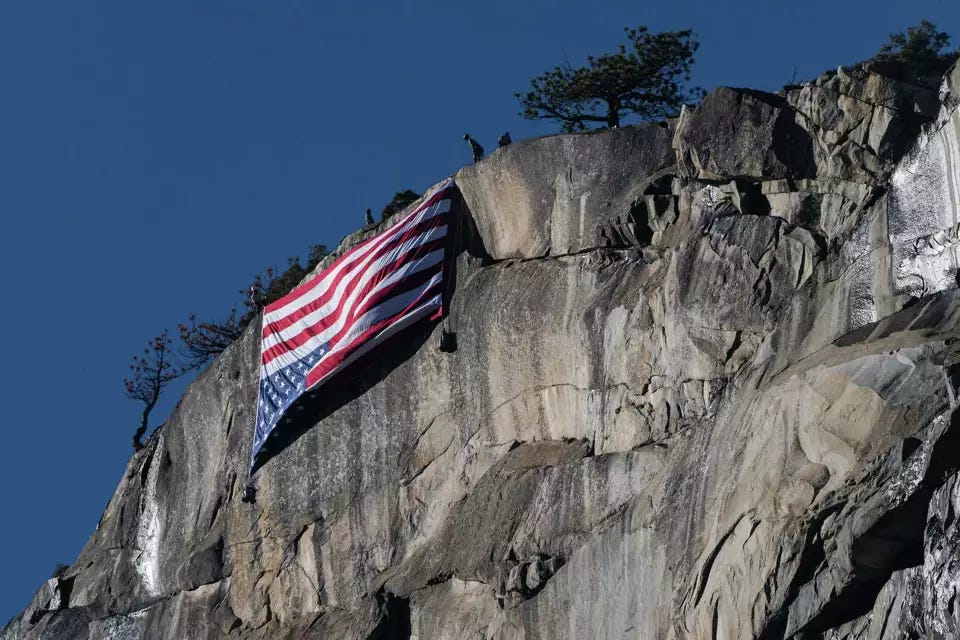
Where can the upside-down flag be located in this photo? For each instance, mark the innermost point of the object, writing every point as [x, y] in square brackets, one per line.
[374, 290]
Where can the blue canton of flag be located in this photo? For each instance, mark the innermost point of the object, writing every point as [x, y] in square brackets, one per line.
[280, 390]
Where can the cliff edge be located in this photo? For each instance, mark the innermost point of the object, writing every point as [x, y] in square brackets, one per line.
[705, 387]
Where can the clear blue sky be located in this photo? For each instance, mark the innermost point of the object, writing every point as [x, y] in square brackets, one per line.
[154, 156]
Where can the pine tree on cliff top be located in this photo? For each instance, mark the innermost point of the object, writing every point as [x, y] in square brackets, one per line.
[646, 77]
[922, 46]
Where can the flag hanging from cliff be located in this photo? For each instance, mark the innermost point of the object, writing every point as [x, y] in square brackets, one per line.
[374, 290]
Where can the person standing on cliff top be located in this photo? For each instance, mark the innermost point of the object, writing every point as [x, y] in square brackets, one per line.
[474, 147]
[504, 139]
[368, 217]
[253, 296]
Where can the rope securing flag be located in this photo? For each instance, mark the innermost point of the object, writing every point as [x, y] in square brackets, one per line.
[382, 285]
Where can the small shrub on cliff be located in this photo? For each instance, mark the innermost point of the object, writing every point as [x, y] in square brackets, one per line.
[646, 77]
[922, 46]
[151, 372]
[274, 286]
[401, 200]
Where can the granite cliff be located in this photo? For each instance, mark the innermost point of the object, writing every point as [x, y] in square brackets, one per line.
[705, 387]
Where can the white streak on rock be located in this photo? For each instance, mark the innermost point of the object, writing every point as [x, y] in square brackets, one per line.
[924, 209]
[147, 561]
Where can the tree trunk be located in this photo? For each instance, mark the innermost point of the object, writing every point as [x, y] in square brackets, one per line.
[613, 114]
[142, 429]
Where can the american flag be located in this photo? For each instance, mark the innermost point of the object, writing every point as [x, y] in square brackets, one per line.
[374, 290]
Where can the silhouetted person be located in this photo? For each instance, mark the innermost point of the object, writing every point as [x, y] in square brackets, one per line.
[504, 139]
[368, 217]
[253, 295]
[474, 147]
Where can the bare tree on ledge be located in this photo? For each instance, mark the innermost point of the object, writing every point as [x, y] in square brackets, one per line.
[647, 80]
[203, 341]
[152, 372]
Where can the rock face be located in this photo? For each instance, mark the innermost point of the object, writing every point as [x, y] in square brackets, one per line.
[705, 387]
